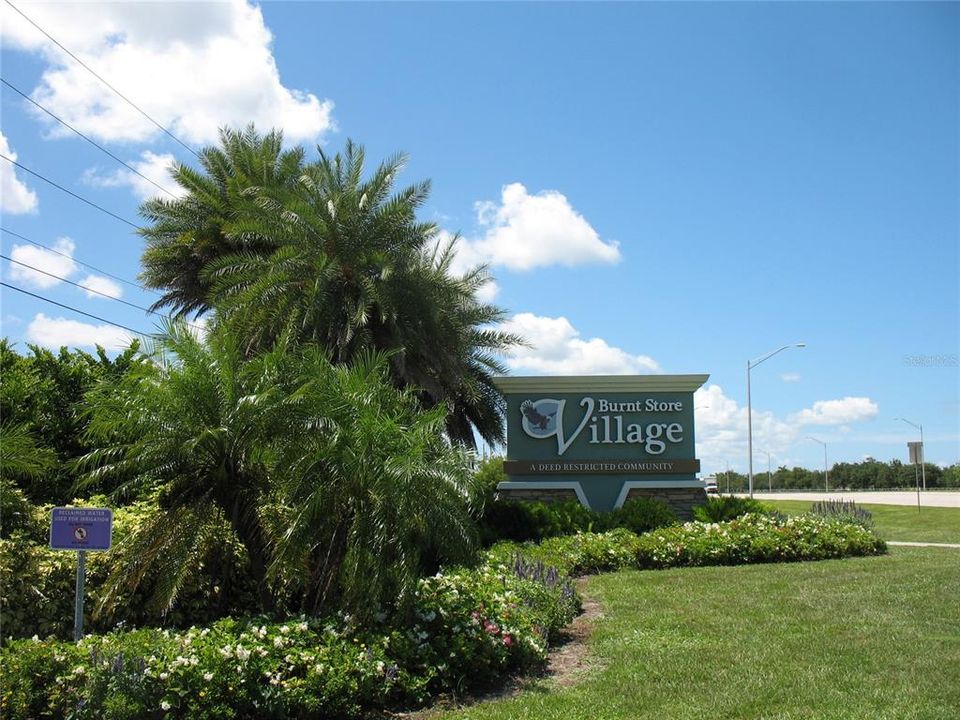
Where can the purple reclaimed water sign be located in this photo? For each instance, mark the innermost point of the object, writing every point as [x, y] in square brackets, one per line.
[81, 528]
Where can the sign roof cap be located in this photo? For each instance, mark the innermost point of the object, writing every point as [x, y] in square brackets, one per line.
[599, 383]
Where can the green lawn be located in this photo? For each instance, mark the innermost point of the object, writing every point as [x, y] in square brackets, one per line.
[871, 638]
[898, 522]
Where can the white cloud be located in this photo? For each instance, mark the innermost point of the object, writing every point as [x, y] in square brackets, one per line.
[837, 412]
[194, 67]
[15, 197]
[722, 427]
[721, 431]
[527, 231]
[790, 377]
[556, 348]
[43, 260]
[152, 166]
[58, 332]
[102, 286]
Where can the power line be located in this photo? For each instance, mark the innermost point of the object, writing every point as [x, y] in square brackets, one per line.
[92, 290]
[73, 309]
[92, 142]
[79, 262]
[101, 79]
[70, 192]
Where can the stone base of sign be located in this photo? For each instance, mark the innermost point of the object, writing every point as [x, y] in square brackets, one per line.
[544, 495]
[681, 499]
[557, 491]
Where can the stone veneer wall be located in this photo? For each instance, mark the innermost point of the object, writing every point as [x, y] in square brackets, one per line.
[544, 495]
[682, 499]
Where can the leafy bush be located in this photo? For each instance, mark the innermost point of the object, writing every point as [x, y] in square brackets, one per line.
[468, 628]
[575, 554]
[641, 515]
[38, 587]
[843, 510]
[727, 507]
[522, 521]
[750, 539]
[755, 538]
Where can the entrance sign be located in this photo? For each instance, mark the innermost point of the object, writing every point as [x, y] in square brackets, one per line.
[600, 437]
[81, 529]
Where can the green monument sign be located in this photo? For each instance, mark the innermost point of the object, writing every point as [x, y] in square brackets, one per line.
[602, 439]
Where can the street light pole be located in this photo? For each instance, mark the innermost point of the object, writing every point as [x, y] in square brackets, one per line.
[826, 472]
[750, 365]
[923, 459]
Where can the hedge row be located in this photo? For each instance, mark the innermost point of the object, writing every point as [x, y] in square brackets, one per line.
[752, 538]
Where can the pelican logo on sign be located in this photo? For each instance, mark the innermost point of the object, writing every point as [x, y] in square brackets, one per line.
[543, 419]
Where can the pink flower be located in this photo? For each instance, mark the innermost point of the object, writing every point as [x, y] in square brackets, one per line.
[507, 640]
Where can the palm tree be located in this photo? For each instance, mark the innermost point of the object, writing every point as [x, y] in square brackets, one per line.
[190, 424]
[188, 233]
[334, 481]
[331, 258]
[367, 491]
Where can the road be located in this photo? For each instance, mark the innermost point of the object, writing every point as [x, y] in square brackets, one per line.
[931, 498]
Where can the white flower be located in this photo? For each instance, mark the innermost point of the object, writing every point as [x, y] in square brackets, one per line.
[164, 705]
[243, 653]
[164, 676]
[208, 676]
[284, 629]
[278, 641]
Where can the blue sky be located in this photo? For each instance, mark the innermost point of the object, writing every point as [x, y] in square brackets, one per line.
[658, 187]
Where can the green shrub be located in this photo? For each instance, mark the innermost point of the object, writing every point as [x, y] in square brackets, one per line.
[641, 515]
[38, 585]
[574, 554]
[727, 507]
[468, 628]
[847, 511]
[755, 538]
[523, 521]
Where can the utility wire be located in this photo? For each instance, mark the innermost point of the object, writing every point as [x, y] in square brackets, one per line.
[101, 79]
[73, 309]
[96, 292]
[79, 262]
[92, 142]
[70, 192]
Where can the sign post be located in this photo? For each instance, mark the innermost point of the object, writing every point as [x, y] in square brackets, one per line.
[916, 457]
[80, 529]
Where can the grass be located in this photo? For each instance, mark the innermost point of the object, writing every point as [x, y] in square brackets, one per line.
[898, 522]
[871, 638]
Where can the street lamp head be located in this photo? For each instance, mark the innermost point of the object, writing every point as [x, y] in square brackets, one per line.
[800, 345]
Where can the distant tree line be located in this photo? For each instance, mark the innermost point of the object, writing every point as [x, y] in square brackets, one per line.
[869, 474]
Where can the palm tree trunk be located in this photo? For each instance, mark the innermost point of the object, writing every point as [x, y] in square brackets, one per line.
[246, 525]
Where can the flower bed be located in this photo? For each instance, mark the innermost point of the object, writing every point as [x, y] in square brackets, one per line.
[756, 538]
[467, 629]
[753, 538]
